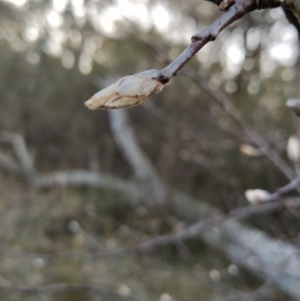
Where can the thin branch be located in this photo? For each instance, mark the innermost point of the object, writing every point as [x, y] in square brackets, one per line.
[240, 119]
[274, 203]
[234, 12]
[293, 19]
[126, 140]
[237, 241]
[214, 220]
[69, 178]
[132, 90]
[263, 209]
[131, 189]
[76, 178]
[232, 111]
[222, 232]
[144, 170]
[293, 185]
[292, 7]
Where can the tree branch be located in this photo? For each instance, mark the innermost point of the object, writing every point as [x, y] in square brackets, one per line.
[134, 89]
[240, 243]
[8, 163]
[144, 170]
[76, 178]
[232, 111]
[236, 11]
[21, 151]
[240, 119]
[274, 203]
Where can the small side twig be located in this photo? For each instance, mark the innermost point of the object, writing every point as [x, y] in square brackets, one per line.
[237, 115]
[274, 203]
[214, 220]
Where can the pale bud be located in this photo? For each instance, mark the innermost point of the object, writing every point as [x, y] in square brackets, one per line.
[250, 151]
[215, 275]
[128, 91]
[233, 270]
[294, 105]
[257, 196]
[124, 290]
[293, 149]
[165, 297]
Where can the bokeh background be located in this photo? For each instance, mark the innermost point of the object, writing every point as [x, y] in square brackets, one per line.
[55, 54]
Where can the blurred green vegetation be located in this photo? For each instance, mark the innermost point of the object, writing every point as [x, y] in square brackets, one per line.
[53, 58]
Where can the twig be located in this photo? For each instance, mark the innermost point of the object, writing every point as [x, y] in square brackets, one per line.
[232, 238]
[285, 190]
[234, 12]
[236, 240]
[132, 90]
[76, 178]
[240, 119]
[275, 203]
[250, 211]
[233, 111]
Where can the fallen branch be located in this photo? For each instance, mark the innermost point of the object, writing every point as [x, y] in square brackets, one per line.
[21, 151]
[144, 170]
[273, 203]
[271, 259]
[246, 247]
[240, 243]
[8, 163]
[77, 178]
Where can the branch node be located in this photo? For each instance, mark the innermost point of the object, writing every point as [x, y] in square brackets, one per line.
[195, 38]
[211, 37]
[163, 78]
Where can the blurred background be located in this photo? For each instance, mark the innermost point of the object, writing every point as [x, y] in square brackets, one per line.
[78, 186]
